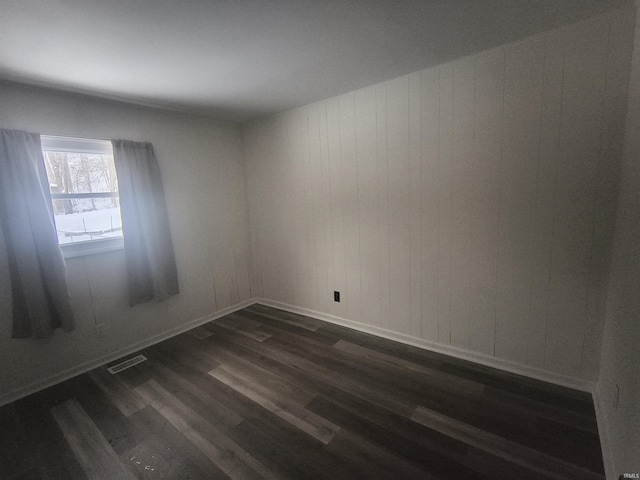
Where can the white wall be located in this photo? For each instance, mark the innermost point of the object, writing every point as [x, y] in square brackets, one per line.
[203, 173]
[619, 383]
[468, 205]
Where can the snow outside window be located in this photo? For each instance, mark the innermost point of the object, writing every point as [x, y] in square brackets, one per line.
[84, 194]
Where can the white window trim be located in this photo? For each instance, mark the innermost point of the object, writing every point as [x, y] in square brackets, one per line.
[74, 145]
[93, 247]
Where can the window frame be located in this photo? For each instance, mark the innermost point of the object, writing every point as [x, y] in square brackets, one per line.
[52, 143]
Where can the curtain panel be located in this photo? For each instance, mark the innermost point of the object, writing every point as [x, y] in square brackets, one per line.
[37, 271]
[151, 267]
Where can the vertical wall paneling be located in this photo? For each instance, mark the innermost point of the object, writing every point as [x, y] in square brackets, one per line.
[429, 122]
[618, 389]
[487, 152]
[368, 204]
[271, 286]
[399, 204]
[462, 205]
[621, 28]
[286, 268]
[327, 207]
[445, 153]
[316, 189]
[336, 181]
[415, 220]
[469, 204]
[524, 64]
[383, 202]
[351, 296]
[545, 196]
[296, 144]
[308, 254]
[269, 178]
[251, 141]
[581, 130]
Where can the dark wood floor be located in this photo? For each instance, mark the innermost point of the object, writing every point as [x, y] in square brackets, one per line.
[267, 394]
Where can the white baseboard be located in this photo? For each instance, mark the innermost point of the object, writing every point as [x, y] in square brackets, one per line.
[603, 432]
[34, 387]
[505, 365]
[511, 367]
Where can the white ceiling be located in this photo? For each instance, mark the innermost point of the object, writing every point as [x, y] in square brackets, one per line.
[241, 59]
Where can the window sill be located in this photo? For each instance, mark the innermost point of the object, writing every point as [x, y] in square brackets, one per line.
[94, 247]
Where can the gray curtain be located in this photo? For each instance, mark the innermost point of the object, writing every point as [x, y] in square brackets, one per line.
[151, 265]
[37, 271]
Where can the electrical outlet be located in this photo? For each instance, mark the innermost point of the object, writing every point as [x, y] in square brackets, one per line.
[101, 330]
[336, 296]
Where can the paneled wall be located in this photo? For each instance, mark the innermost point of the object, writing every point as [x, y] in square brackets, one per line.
[618, 386]
[203, 175]
[468, 205]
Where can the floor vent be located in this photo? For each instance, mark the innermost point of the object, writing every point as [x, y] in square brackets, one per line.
[126, 364]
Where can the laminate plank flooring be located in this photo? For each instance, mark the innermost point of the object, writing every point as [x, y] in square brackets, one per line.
[263, 393]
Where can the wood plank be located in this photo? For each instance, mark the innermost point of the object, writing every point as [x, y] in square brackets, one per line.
[433, 452]
[185, 459]
[295, 439]
[406, 392]
[329, 403]
[299, 321]
[12, 463]
[321, 373]
[374, 461]
[199, 333]
[196, 398]
[400, 395]
[147, 464]
[226, 454]
[513, 452]
[273, 454]
[274, 327]
[94, 453]
[429, 374]
[258, 375]
[551, 394]
[50, 453]
[117, 429]
[496, 467]
[308, 422]
[117, 392]
[567, 417]
[249, 332]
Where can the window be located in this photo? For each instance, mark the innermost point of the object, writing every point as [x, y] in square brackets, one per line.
[84, 194]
